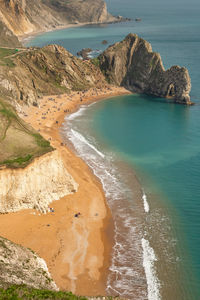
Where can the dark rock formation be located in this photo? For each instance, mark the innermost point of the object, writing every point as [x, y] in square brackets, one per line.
[84, 53]
[122, 19]
[132, 64]
[104, 42]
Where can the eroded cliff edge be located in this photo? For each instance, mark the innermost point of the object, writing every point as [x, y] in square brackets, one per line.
[36, 186]
[132, 64]
[19, 265]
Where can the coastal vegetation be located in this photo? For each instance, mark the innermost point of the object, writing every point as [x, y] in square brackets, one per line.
[5, 54]
[95, 61]
[19, 143]
[23, 292]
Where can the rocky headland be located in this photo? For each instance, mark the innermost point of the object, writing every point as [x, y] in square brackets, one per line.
[25, 17]
[132, 64]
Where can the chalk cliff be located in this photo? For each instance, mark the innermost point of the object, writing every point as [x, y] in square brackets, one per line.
[19, 265]
[131, 63]
[36, 186]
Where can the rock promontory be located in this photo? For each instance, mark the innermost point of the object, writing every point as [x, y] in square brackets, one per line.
[22, 17]
[132, 64]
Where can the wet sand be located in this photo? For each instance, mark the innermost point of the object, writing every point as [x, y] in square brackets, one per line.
[77, 250]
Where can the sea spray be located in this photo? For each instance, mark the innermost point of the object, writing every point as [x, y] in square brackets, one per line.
[148, 263]
[146, 204]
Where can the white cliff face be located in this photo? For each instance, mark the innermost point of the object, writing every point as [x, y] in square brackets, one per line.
[19, 265]
[36, 186]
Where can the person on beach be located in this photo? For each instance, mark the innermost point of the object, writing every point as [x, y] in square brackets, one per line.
[77, 215]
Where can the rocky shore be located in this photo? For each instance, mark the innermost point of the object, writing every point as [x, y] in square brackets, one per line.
[132, 63]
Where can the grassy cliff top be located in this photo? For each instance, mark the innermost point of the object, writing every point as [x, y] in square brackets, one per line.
[23, 292]
[19, 143]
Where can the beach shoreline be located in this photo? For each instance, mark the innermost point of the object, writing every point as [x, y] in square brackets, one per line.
[29, 36]
[91, 238]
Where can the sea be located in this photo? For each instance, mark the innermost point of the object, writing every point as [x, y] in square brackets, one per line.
[146, 152]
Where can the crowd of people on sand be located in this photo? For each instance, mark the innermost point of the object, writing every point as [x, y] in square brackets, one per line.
[59, 101]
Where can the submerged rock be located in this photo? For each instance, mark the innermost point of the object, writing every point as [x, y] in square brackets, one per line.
[84, 53]
[132, 64]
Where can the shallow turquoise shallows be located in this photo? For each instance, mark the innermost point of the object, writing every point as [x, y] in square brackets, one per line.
[160, 140]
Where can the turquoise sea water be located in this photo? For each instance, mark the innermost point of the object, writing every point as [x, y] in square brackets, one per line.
[160, 140]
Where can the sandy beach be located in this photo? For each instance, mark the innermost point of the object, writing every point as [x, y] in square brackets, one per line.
[77, 250]
[28, 36]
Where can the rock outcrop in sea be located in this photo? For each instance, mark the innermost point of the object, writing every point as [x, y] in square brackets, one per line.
[132, 64]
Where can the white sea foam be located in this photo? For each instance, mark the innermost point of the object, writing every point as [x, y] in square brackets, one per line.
[149, 258]
[146, 204]
[82, 139]
[94, 53]
[76, 114]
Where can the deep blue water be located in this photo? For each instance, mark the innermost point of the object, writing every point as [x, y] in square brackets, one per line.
[161, 141]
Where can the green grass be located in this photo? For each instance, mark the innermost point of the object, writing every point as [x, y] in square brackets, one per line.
[7, 112]
[41, 142]
[4, 59]
[19, 160]
[95, 61]
[7, 62]
[23, 292]
[25, 150]
[7, 52]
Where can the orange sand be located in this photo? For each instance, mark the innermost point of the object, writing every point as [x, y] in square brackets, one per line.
[77, 250]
